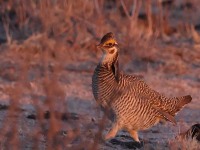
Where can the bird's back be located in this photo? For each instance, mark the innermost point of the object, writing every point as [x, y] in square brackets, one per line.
[148, 95]
[134, 101]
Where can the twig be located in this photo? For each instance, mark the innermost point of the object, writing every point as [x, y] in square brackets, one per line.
[125, 9]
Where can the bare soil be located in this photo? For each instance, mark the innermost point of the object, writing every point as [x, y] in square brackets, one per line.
[46, 69]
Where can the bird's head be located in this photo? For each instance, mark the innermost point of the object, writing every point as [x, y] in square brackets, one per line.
[108, 45]
[110, 49]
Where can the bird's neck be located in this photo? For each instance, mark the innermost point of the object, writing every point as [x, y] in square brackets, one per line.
[108, 59]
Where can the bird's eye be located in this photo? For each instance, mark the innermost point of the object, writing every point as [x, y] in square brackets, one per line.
[110, 44]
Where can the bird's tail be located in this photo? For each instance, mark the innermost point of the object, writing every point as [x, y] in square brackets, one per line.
[180, 103]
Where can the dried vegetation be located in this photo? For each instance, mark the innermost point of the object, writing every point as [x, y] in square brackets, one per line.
[48, 54]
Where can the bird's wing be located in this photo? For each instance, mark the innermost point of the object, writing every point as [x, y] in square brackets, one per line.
[165, 115]
[149, 96]
[163, 103]
[141, 97]
[154, 99]
[139, 86]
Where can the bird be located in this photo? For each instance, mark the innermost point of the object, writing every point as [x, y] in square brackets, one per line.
[134, 104]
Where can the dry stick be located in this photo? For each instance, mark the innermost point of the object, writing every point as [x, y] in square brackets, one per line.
[101, 125]
[52, 99]
[45, 8]
[134, 21]
[21, 14]
[96, 4]
[53, 126]
[68, 8]
[195, 34]
[159, 4]
[6, 25]
[149, 17]
[136, 9]
[39, 115]
[134, 14]
[125, 10]
[48, 100]
[101, 20]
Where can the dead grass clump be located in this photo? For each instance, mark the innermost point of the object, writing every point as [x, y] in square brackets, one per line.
[184, 144]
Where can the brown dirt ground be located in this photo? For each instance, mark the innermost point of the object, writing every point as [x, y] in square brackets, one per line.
[50, 68]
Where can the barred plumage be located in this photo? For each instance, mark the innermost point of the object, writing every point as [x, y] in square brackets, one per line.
[135, 105]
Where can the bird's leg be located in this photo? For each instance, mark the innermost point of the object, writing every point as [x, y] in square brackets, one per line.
[112, 132]
[134, 135]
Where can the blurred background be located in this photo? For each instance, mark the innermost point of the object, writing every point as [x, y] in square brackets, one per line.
[48, 54]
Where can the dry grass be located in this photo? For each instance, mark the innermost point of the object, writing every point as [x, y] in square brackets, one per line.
[184, 144]
[48, 55]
